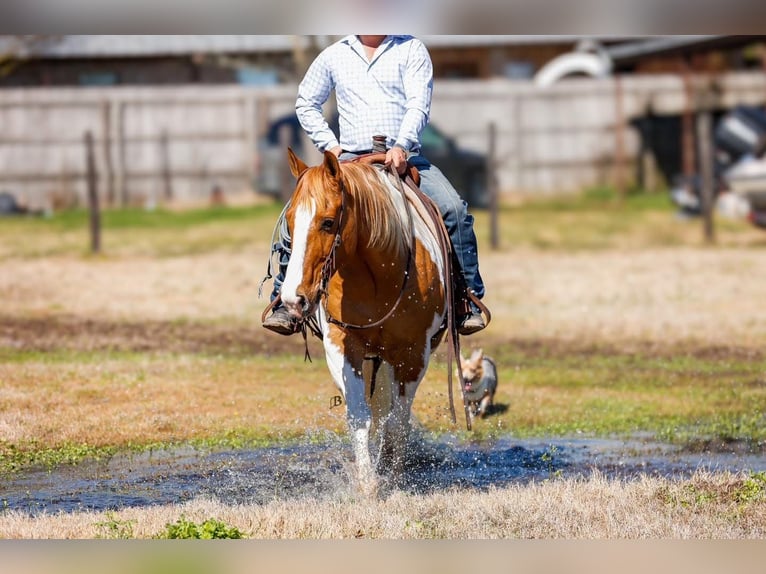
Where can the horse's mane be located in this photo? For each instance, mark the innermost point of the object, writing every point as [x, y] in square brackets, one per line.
[373, 195]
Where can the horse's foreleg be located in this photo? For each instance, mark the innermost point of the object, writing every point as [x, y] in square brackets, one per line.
[349, 380]
[398, 427]
[359, 422]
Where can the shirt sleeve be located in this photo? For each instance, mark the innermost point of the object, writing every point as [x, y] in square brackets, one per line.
[418, 88]
[313, 92]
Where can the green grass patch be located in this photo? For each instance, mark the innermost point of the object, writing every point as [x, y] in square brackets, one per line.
[132, 231]
[115, 529]
[214, 402]
[137, 218]
[210, 529]
[684, 400]
[15, 457]
[598, 218]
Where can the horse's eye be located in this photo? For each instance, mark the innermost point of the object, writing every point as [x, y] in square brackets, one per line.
[327, 224]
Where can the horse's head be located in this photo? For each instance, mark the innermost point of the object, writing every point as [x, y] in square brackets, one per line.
[314, 221]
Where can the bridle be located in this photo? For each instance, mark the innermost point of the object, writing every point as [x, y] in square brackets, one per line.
[328, 267]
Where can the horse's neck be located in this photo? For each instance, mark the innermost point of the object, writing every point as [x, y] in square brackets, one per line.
[366, 270]
[381, 267]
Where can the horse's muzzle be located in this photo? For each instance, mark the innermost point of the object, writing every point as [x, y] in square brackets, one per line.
[300, 306]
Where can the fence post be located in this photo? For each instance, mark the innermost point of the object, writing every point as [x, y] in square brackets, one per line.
[705, 151]
[494, 239]
[106, 119]
[166, 172]
[619, 138]
[93, 205]
[122, 155]
[285, 177]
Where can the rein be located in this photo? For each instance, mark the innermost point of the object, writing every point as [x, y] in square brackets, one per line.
[329, 266]
[453, 337]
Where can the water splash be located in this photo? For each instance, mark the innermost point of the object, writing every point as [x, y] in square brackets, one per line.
[322, 469]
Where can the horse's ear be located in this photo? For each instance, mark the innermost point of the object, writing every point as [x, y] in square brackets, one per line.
[331, 164]
[297, 167]
[477, 355]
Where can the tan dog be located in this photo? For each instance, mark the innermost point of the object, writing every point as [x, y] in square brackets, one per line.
[480, 379]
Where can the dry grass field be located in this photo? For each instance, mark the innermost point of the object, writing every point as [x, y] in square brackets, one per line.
[606, 318]
[707, 506]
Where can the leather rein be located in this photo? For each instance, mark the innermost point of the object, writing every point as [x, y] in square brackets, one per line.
[329, 264]
[328, 268]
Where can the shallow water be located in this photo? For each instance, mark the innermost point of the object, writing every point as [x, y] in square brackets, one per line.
[323, 470]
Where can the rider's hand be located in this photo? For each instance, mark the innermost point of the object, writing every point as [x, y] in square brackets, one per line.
[337, 150]
[398, 157]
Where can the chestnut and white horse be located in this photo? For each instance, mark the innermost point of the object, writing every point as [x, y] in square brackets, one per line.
[370, 270]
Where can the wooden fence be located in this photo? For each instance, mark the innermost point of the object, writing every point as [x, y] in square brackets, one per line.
[159, 143]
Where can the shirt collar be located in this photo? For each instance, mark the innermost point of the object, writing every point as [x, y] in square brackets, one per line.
[354, 42]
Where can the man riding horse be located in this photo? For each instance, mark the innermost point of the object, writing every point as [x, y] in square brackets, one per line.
[383, 85]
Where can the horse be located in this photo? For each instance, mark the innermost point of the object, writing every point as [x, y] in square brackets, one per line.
[368, 268]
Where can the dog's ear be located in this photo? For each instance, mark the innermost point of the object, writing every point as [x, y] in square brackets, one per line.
[477, 355]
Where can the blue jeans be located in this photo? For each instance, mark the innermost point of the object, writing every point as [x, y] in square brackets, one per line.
[454, 210]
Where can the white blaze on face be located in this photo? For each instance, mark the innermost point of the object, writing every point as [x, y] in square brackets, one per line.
[304, 215]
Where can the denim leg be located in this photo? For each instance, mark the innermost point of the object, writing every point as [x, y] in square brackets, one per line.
[284, 258]
[282, 248]
[457, 220]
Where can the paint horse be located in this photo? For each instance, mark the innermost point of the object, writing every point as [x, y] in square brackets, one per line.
[370, 270]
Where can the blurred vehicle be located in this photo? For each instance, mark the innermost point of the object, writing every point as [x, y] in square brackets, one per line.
[465, 169]
[739, 170]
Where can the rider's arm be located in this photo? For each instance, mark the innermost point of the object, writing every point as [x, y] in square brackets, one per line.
[418, 87]
[313, 92]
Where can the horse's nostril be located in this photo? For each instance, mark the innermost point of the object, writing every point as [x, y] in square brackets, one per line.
[301, 302]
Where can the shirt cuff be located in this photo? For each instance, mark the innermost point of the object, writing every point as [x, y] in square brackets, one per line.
[330, 145]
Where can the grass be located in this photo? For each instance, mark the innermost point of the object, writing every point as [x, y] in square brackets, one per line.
[209, 529]
[706, 506]
[596, 219]
[67, 406]
[600, 219]
[107, 399]
[137, 232]
[605, 395]
[170, 359]
[64, 407]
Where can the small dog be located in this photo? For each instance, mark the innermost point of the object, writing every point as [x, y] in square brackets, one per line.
[480, 379]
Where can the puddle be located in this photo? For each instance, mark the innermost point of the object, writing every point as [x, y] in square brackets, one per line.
[322, 470]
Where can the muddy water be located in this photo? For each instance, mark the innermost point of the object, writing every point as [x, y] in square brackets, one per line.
[323, 470]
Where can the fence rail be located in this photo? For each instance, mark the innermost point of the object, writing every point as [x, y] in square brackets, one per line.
[193, 140]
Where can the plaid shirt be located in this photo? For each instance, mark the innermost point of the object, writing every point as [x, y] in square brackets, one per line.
[389, 95]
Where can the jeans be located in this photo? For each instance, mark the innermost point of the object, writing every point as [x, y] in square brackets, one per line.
[457, 220]
[454, 211]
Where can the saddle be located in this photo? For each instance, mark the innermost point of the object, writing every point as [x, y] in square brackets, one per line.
[462, 296]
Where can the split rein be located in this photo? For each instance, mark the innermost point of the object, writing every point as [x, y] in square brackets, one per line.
[329, 265]
[328, 268]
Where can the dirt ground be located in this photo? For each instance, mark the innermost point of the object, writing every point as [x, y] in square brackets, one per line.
[693, 297]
